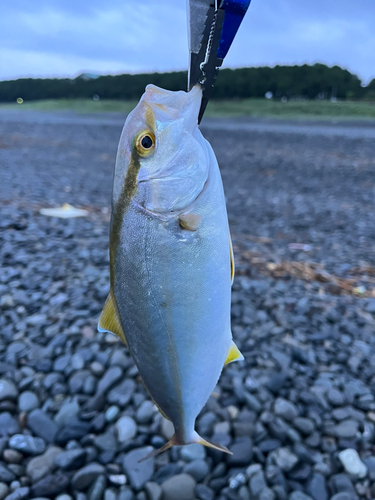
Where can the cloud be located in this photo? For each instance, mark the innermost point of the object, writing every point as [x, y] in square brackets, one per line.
[66, 37]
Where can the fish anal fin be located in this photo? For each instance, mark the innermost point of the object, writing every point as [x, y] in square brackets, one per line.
[232, 267]
[190, 221]
[109, 320]
[234, 354]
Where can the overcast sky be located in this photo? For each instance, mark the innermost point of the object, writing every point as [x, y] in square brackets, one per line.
[44, 38]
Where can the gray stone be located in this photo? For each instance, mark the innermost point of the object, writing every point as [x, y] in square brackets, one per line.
[257, 484]
[42, 425]
[126, 494]
[27, 444]
[352, 463]
[317, 488]
[111, 376]
[77, 380]
[8, 425]
[304, 425]
[126, 429]
[49, 486]
[285, 409]
[67, 412]
[107, 441]
[347, 429]
[344, 496]
[242, 450]
[6, 475]
[87, 475]
[42, 465]
[76, 430]
[298, 495]
[97, 488]
[179, 487]
[71, 459]
[198, 469]
[8, 390]
[203, 492]
[28, 401]
[19, 494]
[61, 363]
[139, 473]
[145, 412]
[64, 496]
[112, 413]
[193, 451]
[121, 393]
[284, 459]
[153, 491]
[3, 491]
[335, 397]
[109, 494]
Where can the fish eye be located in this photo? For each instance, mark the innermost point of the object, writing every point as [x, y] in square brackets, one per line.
[145, 143]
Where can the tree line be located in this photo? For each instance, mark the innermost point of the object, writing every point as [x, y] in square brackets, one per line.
[316, 81]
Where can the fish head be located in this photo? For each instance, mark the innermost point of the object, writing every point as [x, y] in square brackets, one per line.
[162, 162]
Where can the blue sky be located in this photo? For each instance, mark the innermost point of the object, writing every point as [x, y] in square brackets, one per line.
[45, 38]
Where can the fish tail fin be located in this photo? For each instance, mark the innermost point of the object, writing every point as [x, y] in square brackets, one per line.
[153, 453]
[215, 446]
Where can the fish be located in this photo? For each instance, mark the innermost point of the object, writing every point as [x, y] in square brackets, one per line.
[171, 258]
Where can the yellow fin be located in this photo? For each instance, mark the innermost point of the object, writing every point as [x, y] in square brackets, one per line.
[232, 269]
[109, 321]
[190, 221]
[234, 354]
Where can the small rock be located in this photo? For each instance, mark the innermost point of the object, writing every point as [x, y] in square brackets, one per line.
[76, 430]
[352, 463]
[153, 491]
[8, 390]
[87, 475]
[71, 459]
[19, 494]
[64, 496]
[27, 444]
[8, 425]
[28, 401]
[121, 393]
[42, 465]
[6, 475]
[49, 486]
[179, 487]
[304, 425]
[145, 412]
[139, 473]
[67, 412]
[317, 488]
[193, 451]
[111, 413]
[111, 376]
[284, 459]
[285, 409]
[42, 425]
[12, 456]
[203, 492]
[126, 429]
[257, 484]
[242, 450]
[97, 488]
[167, 428]
[198, 469]
[3, 491]
[335, 397]
[298, 495]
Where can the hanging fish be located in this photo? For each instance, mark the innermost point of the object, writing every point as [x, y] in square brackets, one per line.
[171, 259]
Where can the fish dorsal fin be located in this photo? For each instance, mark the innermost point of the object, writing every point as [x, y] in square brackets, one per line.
[109, 320]
[231, 260]
[234, 354]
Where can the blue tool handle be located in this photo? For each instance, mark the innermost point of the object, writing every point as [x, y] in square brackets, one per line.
[235, 11]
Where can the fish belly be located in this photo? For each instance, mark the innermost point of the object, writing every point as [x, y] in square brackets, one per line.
[172, 288]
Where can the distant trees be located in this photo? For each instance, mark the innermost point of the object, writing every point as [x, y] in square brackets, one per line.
[311, 82]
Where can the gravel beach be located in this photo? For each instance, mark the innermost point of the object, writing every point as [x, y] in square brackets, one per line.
[298, 413]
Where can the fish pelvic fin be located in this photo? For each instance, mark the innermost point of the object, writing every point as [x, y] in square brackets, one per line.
[109, 320]
[175, 441]
[234, 354]
[153, 453]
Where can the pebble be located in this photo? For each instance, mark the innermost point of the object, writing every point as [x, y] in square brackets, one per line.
[71, 459]
[121, 393]
[153, 491]
[352, 463]
[6, 475]
[299, 495]
[112, 413]
[51, 485]
[285, 409]
[242, 450]
[28, 401]
[8, 425]
[284, 459]
[126, 429]
[111, 376]
[19, 494]
[27, 444]
[179, 487]
[42, 465]
[139, 473]
[4, 489]
[203, 492]
[145, 412]
[198, 469]
[193, 451]
[42, 425]
[87, 475]
[67, 412]
[8, 390]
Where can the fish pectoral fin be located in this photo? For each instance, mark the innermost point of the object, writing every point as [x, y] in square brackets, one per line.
[190, 221]
[234, 354]
[215, 446]
[109, 320]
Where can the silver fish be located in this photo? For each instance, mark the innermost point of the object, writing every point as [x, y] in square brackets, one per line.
[171, 260]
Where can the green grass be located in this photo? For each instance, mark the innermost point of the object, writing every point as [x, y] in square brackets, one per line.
[225, 108]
